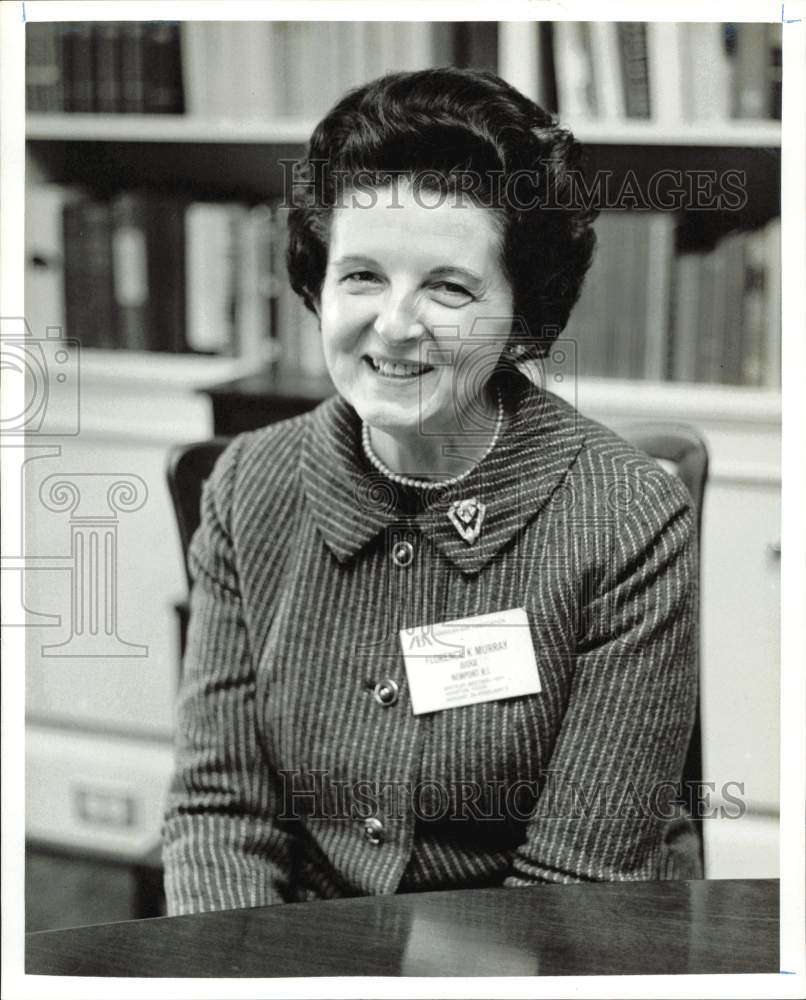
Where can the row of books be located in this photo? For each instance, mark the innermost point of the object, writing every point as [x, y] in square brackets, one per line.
[226, 69]
[293, 67]
[104, 66]
[667, 72]
[146, 272]
[648, 312]
[663, 71]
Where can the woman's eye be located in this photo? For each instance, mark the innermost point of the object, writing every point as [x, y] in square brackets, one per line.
[360, 277]
[452, 292]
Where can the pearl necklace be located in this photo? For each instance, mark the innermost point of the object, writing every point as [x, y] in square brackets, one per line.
[426, 484]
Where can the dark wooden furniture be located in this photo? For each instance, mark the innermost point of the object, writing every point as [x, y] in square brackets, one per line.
[188, 467]
[244, 404]
[590, 929]
[80, 871]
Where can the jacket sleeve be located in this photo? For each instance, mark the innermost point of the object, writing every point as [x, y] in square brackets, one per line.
[605, 805]
[221, 846]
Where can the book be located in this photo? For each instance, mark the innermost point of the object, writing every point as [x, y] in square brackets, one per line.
[255, 291]
[623, 263]
[621, 323]
[573, 60]
[636, 290]
[475, 45]
[88, 280]
[634, 68]
[707, 71]
[198, 74]
[108, 70]
[211, 233]
[257, 44]
[311, 50]
[771, 371]
[387, 52]
[755, 290]
[606, 70]
[165, 242]
[130, 272]
[584, 324]
[687, 273]
[147, 254]
[774, 70]
[665, 68]
[43, 67]
[751, 91]
[162, 68]
[226, 90]
[78, 65]
[711, 339]
[132, 68]
[656, 320]
[733, 247]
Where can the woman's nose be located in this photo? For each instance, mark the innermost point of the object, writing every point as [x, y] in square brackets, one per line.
[397, 320]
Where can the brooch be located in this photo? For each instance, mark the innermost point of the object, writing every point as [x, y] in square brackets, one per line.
[466, 516]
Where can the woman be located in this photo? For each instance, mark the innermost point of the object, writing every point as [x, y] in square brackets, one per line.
[336, 738]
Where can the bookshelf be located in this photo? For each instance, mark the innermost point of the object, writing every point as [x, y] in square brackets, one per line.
[165, 128]
[181, 128]
[214, 153]
[106, 152]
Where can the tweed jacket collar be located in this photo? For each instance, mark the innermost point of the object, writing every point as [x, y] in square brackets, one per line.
[351, 502]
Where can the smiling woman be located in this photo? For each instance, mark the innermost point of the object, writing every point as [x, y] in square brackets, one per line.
[391, 276]
[443, 628]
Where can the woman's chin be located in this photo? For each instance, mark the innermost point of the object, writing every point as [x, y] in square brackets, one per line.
[389, 414]
[391, 422]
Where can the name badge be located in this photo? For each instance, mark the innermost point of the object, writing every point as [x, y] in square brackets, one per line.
[470, 660]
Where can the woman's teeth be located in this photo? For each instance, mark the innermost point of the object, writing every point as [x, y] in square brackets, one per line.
[398, 369]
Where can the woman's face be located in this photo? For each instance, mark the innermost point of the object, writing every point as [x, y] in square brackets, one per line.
[415, 308]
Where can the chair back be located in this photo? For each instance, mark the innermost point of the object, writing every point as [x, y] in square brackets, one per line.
[682, 451]
[188, 467]
[678, 446]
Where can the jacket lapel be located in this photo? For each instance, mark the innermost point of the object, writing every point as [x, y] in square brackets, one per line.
[352, 503]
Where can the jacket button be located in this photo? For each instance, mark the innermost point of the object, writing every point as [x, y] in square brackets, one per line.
[402, 553]
[386, 692]
[373, 831]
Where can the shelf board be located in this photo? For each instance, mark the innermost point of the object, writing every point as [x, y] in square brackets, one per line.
[700, 133]
[157, 370]
[165, 128]
[635, 399]
[182, 128]
[627, 398]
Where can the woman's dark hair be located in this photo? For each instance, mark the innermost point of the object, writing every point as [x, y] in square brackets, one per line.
[464, 132]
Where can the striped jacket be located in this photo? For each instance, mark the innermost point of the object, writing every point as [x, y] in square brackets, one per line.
[301, 771]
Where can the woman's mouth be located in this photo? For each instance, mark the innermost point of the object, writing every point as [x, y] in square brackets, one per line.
[401, 370]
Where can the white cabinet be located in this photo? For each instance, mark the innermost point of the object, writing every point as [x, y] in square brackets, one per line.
[103, 559]
[740, 602]
[99, 576]
[740, 639]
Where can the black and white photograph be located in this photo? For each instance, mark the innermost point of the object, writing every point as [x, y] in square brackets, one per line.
[402, 561]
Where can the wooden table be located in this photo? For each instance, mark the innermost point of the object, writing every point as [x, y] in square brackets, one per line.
[616, 928]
